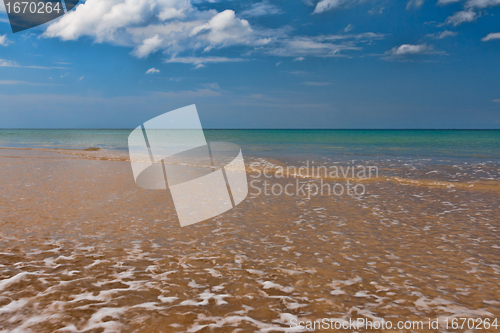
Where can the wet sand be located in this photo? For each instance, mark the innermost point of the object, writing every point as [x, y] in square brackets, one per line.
[83, 249]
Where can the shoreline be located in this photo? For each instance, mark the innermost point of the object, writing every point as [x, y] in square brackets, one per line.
[276, 167]
[273, 168]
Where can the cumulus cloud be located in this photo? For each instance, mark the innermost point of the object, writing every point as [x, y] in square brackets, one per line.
[261, 9]
[461, 17]
[152, 71]
[172, 26]
[409, 49]
[224, 29]
[182, 32]
[148, 46]
[492, 36]
[4, 41]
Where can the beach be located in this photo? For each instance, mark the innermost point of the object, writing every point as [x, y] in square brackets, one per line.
[84, 249]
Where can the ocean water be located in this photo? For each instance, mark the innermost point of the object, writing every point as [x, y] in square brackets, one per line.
[348, 144]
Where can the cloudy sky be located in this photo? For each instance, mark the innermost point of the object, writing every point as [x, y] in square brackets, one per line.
[262, 64]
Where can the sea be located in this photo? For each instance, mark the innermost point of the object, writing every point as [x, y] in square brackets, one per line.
[358, 144]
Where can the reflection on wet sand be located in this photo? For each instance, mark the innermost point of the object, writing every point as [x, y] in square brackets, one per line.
[83, 249]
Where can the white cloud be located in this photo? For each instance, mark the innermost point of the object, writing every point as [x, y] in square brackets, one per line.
[468, 14]
[325, 5]
[81, 78]
[492, 36]
[174, 9]
[414, 4]
[442, 35]
[482, 3]
[408, 49]
[496, 101]
[299, 59]
[148, 46]
[261, 9]
[224, 29]
[348, 28]
[200, 62]
[461, 17]
[103, 19]
[4, 41]
[181, 31]
[321, 46]
[10, 63]
[152, 71]
[374, 11]
[172, 26]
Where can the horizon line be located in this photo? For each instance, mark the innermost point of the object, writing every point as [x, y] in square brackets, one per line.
[278, 129]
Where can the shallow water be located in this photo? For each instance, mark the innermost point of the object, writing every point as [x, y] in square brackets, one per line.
[83, 249]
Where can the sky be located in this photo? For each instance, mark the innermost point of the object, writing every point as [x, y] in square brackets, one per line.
[357, 64]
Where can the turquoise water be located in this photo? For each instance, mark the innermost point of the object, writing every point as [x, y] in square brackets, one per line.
[463, 144]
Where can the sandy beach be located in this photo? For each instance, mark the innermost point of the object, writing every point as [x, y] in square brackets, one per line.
[83, 249]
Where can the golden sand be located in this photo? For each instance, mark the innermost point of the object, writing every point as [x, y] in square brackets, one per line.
[83, 249]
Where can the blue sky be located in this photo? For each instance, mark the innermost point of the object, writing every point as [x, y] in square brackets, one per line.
[262, 64]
